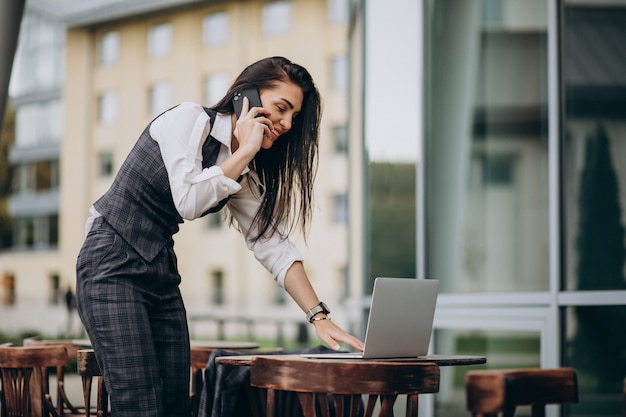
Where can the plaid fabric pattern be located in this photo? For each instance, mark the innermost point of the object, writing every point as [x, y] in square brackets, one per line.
[134, 315]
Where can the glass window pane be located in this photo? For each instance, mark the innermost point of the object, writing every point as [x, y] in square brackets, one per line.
[391, 223]
[594, 180]
[276, 18]
[340, 209]
[159, 40]
[215, 87]
[504, 350]
[108, 48]
[338, 11]
[339, 71]
[215, 29]
[105, 164]
[160, 97]
[107, 108]
[486, 150]
[340, 139]
[596, 349]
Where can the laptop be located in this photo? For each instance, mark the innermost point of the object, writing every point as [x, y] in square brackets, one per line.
[400, 321]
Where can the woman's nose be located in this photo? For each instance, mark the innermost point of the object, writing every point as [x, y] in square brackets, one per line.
[286, 123]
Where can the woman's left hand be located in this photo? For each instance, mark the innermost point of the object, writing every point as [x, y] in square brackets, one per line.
[332, 335]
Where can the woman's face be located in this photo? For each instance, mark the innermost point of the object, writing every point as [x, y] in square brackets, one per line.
[282, 103]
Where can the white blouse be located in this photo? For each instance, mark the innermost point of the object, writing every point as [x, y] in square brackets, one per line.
[180, 133]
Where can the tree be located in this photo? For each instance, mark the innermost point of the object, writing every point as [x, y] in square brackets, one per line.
[6, 140]
[599, 346]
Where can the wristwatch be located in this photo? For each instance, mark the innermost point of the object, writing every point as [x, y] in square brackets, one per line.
[320, 308]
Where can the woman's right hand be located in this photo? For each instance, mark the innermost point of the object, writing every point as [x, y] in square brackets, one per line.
[249, 130]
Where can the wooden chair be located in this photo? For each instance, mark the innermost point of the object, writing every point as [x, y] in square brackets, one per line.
[3, 408]
[64, 405]
[495, 392]
[26, 380]
[88, 369]
[347, 381]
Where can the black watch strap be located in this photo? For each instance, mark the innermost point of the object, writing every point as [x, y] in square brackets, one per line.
[320, 308]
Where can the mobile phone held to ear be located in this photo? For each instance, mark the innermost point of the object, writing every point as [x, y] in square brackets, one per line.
[253, 98]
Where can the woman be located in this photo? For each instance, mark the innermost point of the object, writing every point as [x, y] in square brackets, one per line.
[189, 161]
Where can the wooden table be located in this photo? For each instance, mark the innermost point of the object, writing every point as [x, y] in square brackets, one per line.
[440, 360]
[274, 377]
[223, 344]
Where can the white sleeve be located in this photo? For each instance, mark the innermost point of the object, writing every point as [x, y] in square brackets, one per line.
[180, 133]
[276, 253]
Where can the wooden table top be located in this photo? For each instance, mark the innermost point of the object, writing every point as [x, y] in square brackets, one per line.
[441, 360]
[223, 344]
[203, 344]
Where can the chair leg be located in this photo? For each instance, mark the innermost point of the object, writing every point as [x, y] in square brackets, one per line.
[307, 402]
[270, 406]
[386, 405]
[412, 405]
[371, 404]
[87, 381]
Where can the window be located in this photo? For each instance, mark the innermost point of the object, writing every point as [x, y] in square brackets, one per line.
[497, 170]
[55, 289]
[8, 289]
[48, 127]
[214, 221]
[217, 285]
[513, 349]
[277, 18]
[160, 97]
[594, 201]
[107, 108]
[109, 48]
[159, 40]
[40, 58]
[215, 29]
[338, 11]
[340, 139]
[38, 176]
[36, 233]
[339, 73]
[215, 86]
[105, 164]
[340, 208]
[486, 150]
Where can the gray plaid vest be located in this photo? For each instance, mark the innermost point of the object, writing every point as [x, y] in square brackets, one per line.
[139, 204]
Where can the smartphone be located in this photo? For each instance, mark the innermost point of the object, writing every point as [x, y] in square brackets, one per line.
[253, 98]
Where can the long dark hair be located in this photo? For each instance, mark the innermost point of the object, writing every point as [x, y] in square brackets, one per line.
[287, 170]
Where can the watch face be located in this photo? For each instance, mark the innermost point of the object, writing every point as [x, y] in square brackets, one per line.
[324, 307]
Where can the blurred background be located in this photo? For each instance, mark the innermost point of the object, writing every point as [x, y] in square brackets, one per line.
[478, 142]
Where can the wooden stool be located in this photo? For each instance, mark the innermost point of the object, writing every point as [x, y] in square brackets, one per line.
[347, 381]
[490, 393]
[88, 369]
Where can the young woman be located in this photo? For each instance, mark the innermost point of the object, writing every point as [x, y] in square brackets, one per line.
[189, 161]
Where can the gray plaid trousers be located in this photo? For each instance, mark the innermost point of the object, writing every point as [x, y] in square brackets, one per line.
[134, 315]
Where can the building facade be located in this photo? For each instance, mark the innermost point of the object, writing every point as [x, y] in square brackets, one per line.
[34, 200]
[128, 62]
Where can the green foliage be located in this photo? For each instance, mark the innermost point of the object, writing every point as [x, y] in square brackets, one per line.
[599, 346]
[6, 141]
[392, 246]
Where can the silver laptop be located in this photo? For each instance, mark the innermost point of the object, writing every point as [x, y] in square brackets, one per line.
[400, 320]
